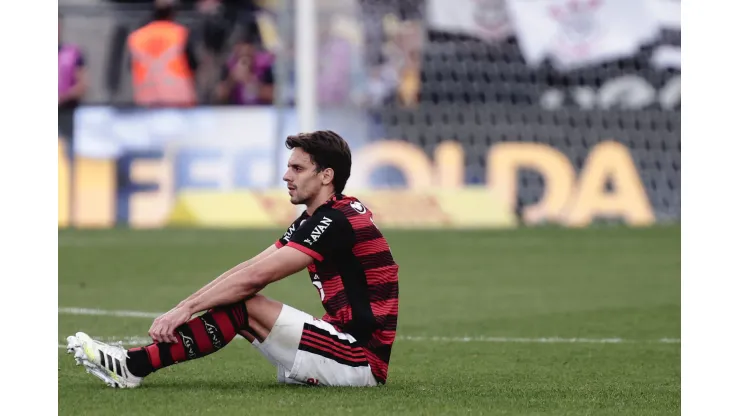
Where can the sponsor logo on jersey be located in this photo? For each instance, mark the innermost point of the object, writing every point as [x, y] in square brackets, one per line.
[289, 233]
[357, 205]
[318, 231]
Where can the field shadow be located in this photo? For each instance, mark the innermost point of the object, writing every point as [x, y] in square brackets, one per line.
[241, 385]
[223, 385]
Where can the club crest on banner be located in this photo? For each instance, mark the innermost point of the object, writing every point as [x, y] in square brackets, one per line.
[578, 29]
[491, 19]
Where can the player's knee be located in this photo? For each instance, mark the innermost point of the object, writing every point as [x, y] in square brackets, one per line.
[247, 335]
[259, 305]
[262, 313]
[255, 300]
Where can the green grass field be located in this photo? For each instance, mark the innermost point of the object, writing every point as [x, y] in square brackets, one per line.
[504, 290]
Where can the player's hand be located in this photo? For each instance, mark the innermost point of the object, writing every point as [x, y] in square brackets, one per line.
[163, 328]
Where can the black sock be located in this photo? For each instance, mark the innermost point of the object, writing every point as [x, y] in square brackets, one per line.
[138, 363]
[204, 334]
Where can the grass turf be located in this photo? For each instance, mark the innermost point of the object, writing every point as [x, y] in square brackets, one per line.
[598, 283]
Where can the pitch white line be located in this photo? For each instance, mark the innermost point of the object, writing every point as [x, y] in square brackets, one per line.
[548, 340]
[101, 312]
[134, 340]
[114, 242]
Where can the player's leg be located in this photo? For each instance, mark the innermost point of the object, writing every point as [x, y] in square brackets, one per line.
[201, 336]
[197, 338]
[329, 357]
[265, 313]
[305, 350]
[282, 372]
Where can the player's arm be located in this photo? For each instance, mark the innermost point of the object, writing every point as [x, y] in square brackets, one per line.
[241, 266]
[250, 280]
[254, 260]
[316, 238]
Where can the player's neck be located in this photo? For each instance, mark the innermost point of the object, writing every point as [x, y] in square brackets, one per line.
[320, 200]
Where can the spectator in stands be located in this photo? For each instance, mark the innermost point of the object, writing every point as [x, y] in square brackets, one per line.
[404, 54]
[219, 22]
[163, 60]
[247, 77]
[221, 18]
[72, 83]
[398, 78]
[72, 73]
[213, 30]
[215, 25]
[335, 63]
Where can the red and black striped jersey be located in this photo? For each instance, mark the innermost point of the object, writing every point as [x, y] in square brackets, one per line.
[354, 273]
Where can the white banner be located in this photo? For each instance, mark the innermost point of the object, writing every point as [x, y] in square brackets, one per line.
[485, 19]
[106, 132]
[224, 146]
[576, 33]
[668, 13]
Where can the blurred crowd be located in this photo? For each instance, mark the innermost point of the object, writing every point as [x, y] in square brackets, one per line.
[228, 56]
[168, 60]
[371, 54]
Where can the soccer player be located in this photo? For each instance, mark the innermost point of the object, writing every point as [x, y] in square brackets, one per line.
[348, 260]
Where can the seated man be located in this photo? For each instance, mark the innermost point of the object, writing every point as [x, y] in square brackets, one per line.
[348, 260]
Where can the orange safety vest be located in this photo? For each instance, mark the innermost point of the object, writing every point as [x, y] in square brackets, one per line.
[160, 71]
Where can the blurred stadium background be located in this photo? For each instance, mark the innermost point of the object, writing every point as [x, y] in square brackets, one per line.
[531, 148]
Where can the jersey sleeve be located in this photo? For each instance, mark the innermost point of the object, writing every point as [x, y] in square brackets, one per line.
[285, 238]
[322, 234]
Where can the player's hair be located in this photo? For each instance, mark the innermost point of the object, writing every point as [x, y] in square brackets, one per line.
[327, 150]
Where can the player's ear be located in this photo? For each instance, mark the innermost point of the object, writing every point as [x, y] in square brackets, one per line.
[327, 176]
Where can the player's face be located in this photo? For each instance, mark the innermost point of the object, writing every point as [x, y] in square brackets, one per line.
[303, 181]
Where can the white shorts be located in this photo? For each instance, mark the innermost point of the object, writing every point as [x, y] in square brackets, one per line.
[307, 350]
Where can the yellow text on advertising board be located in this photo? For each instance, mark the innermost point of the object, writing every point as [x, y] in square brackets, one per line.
[569, 199]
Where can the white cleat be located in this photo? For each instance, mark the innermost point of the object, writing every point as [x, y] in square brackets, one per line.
[106, 362]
